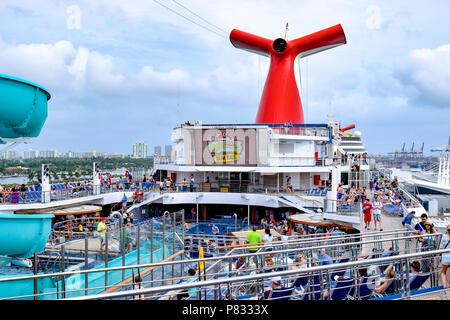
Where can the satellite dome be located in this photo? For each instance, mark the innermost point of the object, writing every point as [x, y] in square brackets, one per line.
[357, 134]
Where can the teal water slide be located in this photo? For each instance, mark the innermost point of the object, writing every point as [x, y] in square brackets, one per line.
[23, 108]
[21, 235]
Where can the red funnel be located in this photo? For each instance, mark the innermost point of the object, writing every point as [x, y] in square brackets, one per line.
[280, 101]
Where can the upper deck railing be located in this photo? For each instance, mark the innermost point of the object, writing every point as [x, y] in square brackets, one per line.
[72, 190]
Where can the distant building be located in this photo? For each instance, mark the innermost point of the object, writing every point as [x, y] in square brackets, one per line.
[117, 155]
[30, 154]
[140, 150]
[47, 154]
[168, 150]
[9, 155]
[157, 151]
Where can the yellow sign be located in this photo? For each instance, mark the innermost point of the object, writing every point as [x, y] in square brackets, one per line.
[226, 157]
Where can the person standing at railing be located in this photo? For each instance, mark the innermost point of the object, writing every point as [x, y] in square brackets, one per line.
[191, 183]
[407, 221]
[288, 184]
[428, 243]
[184, 185]
[168, 184]
[101, 229]
[445, 244]
[15, 194]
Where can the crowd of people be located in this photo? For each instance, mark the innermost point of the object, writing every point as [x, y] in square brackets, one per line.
[12, 193]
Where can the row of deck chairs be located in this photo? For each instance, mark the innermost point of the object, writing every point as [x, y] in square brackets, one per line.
[344, 289]
[316, 192]
[348, 288]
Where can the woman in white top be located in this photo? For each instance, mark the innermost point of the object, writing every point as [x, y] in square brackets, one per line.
[268, 236]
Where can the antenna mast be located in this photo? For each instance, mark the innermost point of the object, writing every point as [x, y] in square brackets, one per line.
[287, 28]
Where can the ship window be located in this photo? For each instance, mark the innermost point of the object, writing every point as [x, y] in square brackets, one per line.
[286, 148]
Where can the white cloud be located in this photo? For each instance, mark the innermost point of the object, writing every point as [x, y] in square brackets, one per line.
[174, 81]
[45, 64]
[428, 70]
[101, 75]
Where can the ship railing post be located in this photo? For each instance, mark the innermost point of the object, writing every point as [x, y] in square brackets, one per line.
[122, 249]
[86, 264]
[173, 242]
[138, 243]
[35, 271]
[106, 259]
[63, 284]
[151, 246]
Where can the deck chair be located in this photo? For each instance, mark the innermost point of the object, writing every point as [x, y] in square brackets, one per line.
[418, 281]
[281, 294]
[391, 288]
[301, 281]
[366, 287]
[341, 290]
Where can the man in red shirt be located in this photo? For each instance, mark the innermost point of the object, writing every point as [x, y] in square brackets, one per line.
[367, 209]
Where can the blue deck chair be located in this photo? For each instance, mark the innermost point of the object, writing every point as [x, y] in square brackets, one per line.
[392, 287]
[337, 272]
[301, 281]
[366, 287]
[281, 294]
[313, 292]
[418, 281]
[341, 289]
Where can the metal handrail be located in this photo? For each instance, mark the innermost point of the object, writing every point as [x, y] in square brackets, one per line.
[68, 273]
[247, 278]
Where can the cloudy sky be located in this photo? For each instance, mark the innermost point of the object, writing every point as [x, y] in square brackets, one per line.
[123, 71]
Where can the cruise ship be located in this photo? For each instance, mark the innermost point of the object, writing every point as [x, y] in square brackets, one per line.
[184, 234]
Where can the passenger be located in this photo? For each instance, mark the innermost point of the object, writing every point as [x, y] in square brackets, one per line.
[415, 270]
[268, 238]
[377, 206]
[300, 262]
[136, 286]
[274, 284]
[239, 263]
[128, 239]
[215, 231]
[325, 259]
[340, 191]
[124, 201]
[284, 235]
[407, 221]
[263, 223]
[367, 208]
[269, 263]
[191, 183]
[428, 243]
[255, 293]
[388, 278]
[191, 292]
[253, 237]
[445, 257]
[101, 229]
[420, 227]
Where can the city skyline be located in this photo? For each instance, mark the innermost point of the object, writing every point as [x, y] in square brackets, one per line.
[155, 70]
